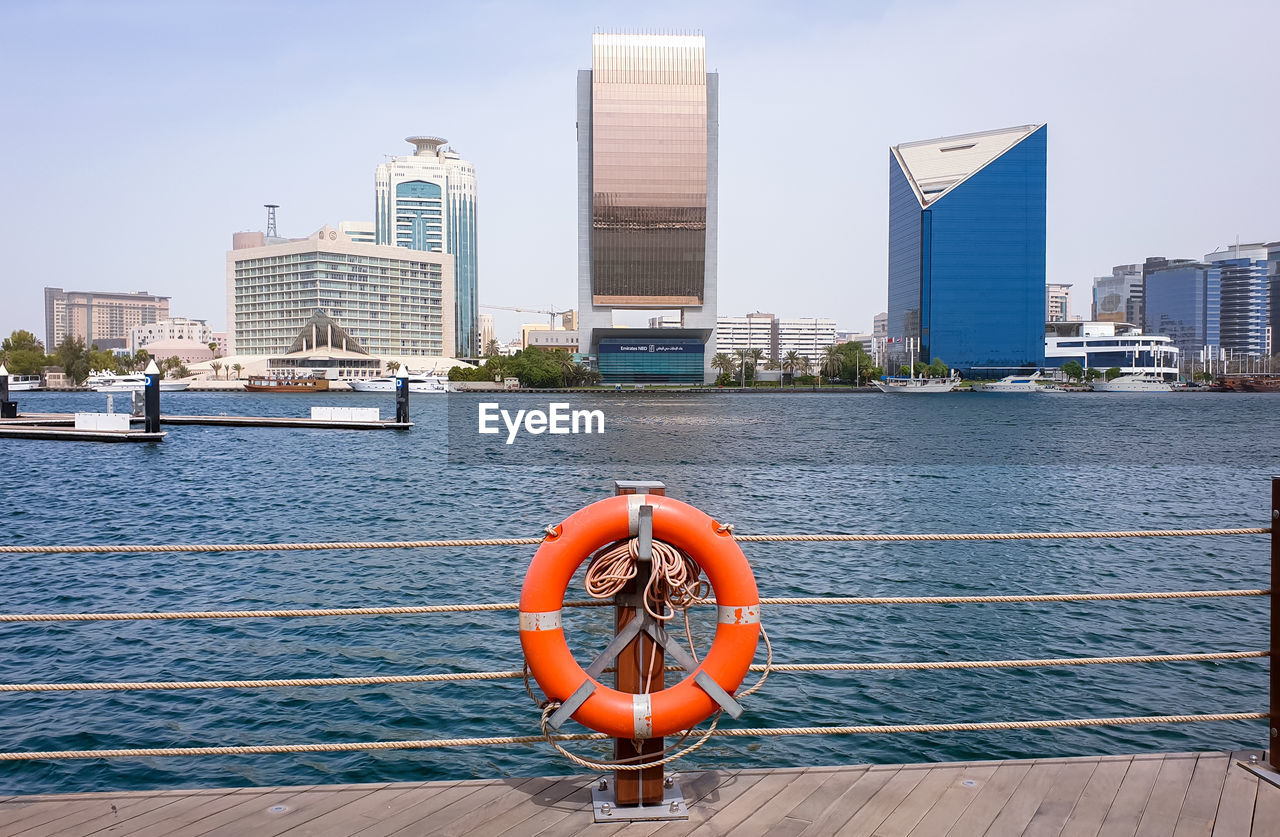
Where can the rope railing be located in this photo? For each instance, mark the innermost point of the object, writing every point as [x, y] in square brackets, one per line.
[508, 606]
[791, 668]
[534, 541]
[751, 732]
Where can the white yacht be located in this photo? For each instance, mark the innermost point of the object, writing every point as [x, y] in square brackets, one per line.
[111, 382]
[917, 385]
[24, 383]
[1012, 383]
[1138, 382]
[417, 383]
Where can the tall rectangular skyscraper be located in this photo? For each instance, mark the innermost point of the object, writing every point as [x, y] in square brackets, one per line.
[967, 249]
[647, 137]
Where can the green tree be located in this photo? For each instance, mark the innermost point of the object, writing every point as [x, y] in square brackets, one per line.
[723, 364]
[492, 348]
[1113, 373]
[213, 347]
[832, 361]
[181, 370]
[393, 366]
[791, 364]
[1073, 370]
[237, 368]
[216, 367]
[938, 369]
[22, 353]
[73, 356]
[104, 360]
[1092, 374]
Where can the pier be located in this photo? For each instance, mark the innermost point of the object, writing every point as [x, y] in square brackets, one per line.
[1183, 794]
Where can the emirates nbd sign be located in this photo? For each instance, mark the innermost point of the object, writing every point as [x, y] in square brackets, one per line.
[656, 347]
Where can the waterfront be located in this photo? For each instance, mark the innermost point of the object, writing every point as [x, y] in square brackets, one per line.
[768, 463]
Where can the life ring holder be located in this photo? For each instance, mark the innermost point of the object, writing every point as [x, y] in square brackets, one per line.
[709, 684]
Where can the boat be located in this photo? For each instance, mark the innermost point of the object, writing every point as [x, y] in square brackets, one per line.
[417, 383]
[24, 383]
[111, 382]
[264, 383]
[917, 385]
[1138, 382]
[1012, 383]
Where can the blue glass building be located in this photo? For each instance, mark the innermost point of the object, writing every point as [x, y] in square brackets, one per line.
[1183, 302]
[967, 249]
[1241, 275]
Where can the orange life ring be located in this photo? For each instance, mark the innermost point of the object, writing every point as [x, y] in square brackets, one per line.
[608, 710]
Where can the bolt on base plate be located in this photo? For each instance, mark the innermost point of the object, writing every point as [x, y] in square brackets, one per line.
[606, 809]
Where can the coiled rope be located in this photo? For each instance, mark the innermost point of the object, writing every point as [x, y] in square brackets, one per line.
[497, 606]
[472, 542]
[435, 744]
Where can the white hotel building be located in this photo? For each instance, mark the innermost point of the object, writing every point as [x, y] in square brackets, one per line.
[397, 302]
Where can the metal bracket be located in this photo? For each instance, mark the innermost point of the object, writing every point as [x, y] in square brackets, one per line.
[605, 806]
[1262, 770]
[638, 486]
[566, 709]
[615, 647]
[704, 680]
[644, 545]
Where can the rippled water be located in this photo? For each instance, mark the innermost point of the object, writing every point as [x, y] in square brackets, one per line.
[768, 463]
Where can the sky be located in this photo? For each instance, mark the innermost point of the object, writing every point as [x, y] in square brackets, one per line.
[140, 135]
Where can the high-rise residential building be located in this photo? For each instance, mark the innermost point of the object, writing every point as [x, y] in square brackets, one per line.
[173, 328]
[806, 336]
[427, 201]
[648, 116]
[1243, 288]
[100, 318]
[1057, 302]
[967, 248]
[1181, 300]
[1118, 298]
[394, 301]
[754, 331]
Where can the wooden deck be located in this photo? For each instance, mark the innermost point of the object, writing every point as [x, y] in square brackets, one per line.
[1159, 794]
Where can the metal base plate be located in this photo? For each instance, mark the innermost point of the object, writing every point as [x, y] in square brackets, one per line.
[606, 808]
[1262, 770]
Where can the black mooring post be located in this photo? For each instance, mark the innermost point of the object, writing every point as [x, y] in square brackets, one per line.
[402, 396]
[1273, 710]
[152, 394]
[8, 409]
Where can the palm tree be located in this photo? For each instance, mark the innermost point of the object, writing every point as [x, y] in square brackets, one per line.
[237, 368]
[804, 367]
[755, 355]
[790, 363]
[216, 367]
[393, 366]
[492, 348]
[832, 360]
[722, 363]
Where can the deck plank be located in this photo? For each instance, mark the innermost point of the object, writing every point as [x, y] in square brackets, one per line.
[1266, 810]
[885, 801]
[1165, 805]
[160, 821]
[1239, 794]
[1055, 809]
[724, 795]
[1131, 799]
[935, 783]
[843, 807]
[985, 807]
[954, 801]
[779, 807]
[1021, 806]
[1201, 803]
[813, 806]
[1091, 809]
[362, 812]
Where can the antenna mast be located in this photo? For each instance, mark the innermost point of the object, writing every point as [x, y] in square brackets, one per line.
[271, 219]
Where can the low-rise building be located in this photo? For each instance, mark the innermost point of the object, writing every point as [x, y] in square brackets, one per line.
[1104, 345]
[171, 328]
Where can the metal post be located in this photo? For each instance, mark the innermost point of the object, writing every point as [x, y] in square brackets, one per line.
[1274, 710]
[152, 397]
[402, 396]
[8, 409]
[641, 668]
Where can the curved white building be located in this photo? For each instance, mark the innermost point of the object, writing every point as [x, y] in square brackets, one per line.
[1106, 345]
[427, 201]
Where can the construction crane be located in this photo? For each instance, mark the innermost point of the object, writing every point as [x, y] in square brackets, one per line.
[551, 313]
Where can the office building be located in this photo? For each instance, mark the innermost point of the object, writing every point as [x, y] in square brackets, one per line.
[1182, 302]
[1057, 303]
[394, 301]
[100, 318]
[647, 123]
[172, 328]
[1273, 274]
[362, 232]
[1118, 298]
[427, 201]
[967, 249]
[485, 322]
[806, 336]
[1241, 275]
[754, 331]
